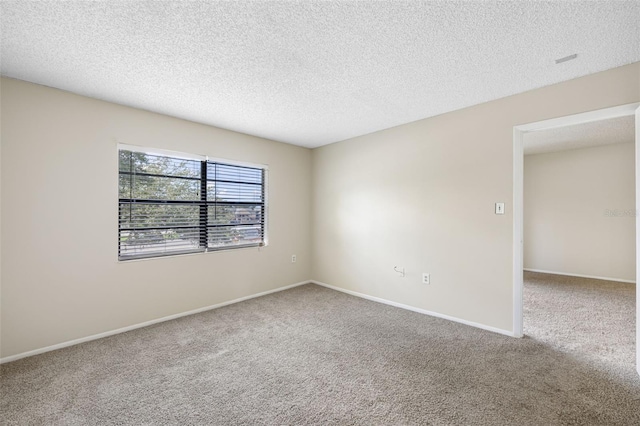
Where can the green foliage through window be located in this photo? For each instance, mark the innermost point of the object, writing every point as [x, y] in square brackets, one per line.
[171, 205]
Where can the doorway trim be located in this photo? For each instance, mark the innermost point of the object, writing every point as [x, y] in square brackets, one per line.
[518, 204]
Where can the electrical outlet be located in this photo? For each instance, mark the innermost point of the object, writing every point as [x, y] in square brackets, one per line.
[426, 278]
[293, 258]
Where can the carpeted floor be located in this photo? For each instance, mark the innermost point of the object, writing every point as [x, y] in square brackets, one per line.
[581, 316]
[314, 356]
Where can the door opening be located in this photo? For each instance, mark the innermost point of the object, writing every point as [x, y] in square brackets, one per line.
[518, 207]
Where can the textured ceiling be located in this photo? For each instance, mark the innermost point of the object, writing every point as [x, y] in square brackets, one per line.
[603, 132]
[311, 73]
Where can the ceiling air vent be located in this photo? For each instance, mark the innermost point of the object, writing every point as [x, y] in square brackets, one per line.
[566, 58]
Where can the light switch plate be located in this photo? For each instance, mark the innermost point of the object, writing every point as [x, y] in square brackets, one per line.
[499, 208]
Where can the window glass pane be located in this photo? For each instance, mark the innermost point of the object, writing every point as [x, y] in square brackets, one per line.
[158, 188]
[221, 214]
[140, 162]
[135, 243]
[158, 215]
[234, 236]
[234, 192]
[216, 171]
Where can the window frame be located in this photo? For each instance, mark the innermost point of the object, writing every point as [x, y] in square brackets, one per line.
[203, 224]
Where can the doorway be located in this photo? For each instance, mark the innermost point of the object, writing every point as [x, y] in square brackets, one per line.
[518, 191]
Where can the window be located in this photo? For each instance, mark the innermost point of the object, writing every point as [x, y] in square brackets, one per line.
[174, 205]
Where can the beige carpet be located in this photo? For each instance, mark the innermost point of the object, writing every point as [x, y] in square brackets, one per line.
[583, 317]
[311, 355]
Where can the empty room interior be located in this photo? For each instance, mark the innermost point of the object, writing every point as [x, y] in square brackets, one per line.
[322, 212]
[579, 238]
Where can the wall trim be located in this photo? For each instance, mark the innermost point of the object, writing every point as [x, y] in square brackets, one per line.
[143, 324]
[418, 310]
[580, 275]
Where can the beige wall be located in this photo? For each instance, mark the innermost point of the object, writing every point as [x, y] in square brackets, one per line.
[422, 196]
[60, 277]
[578, 207]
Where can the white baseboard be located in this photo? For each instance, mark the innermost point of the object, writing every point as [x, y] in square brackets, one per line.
[143, 324]
[418, 310]
[580, 276]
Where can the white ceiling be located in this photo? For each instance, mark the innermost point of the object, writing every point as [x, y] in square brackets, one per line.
[315, 72]
[597, 133]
